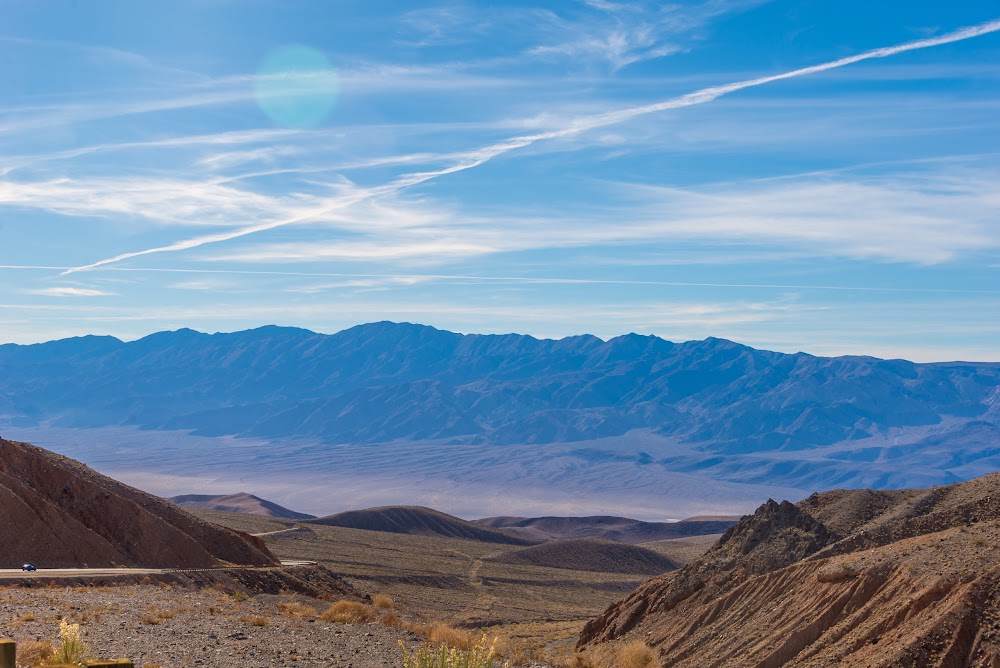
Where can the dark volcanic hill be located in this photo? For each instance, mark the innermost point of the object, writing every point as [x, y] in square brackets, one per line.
[843, 578]
[237, 503]
[883, 423]
[617, 529]
[590, 554]
[58, 513]
[418, 520]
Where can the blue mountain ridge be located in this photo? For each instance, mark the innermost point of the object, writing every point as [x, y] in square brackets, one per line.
[386, 381]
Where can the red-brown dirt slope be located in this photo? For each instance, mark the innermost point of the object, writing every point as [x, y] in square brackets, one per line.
[843, 578]
[55, 512]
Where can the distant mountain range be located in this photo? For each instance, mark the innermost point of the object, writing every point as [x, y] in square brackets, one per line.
[387, 382]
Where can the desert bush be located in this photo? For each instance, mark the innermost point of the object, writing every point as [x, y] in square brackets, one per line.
[635, 654]
[390, 618]
[348, 612]
[384, 601]
[71, 648]
[34, 653]
[255, 620]
[481, 655]
[296, 610]
[442, 634]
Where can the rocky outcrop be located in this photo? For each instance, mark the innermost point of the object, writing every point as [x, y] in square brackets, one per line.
[55, 512]
[912, 583]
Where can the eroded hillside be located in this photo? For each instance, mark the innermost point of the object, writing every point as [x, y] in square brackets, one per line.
[58, 513]
[844, 578]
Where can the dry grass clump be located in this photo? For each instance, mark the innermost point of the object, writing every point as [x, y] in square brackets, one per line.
[164, 614]
[34, 653]
[384, 601]
[254, 620]
[390, 618]
[348, 612]
[635, 654]
[443, 634]
[296, 610]
[71, 650]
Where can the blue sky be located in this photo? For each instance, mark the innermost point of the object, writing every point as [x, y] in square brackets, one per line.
[749, 169]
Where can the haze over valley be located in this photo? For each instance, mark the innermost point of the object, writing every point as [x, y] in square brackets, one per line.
[389, 413]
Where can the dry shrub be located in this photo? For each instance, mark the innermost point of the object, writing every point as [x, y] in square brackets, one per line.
[348, 612]
[149, 618]
[296, 610]
[384, 601]
[34, 653]
[635, 654]
[390, 618]
[442, 634]
[254, 620]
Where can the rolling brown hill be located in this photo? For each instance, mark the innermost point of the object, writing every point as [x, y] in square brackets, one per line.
[590, 554]
[59, 513]
[843, 578]
[618, 529]
[240, 502]
[418, 520]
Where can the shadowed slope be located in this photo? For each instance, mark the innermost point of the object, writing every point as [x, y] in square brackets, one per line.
[418, 520]
[237, 503]
[618, 529]
[590, 554]
[57, 512]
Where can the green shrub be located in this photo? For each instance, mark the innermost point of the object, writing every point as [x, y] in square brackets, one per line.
[482, 655]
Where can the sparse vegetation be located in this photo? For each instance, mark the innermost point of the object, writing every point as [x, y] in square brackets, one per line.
[349, 612]
[149, 618]
[35, 653]
[296, 610]
[635, 654]
[255, 620]
[482, 654]
[383, 601]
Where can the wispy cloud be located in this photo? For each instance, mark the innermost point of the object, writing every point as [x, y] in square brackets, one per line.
[571, 128]
[66, 291]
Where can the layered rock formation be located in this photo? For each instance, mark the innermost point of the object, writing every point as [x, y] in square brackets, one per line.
[55, 512]
[843, 578]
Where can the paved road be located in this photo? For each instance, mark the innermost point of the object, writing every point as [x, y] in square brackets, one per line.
[9, 573]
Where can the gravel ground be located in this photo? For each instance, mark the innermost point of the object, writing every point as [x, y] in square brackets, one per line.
[172, 627]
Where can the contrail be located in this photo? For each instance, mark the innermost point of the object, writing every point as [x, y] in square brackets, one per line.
[483, 155]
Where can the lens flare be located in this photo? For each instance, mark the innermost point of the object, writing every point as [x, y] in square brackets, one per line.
[296, 86]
